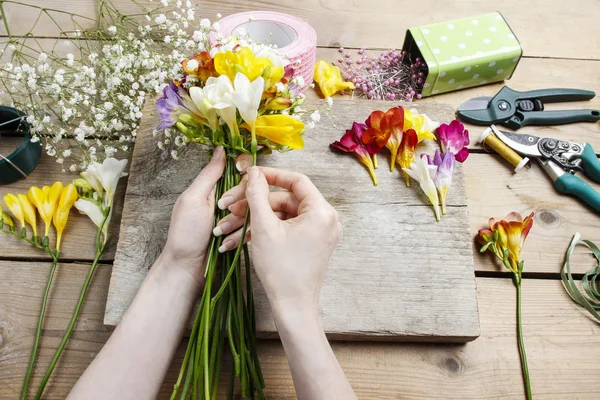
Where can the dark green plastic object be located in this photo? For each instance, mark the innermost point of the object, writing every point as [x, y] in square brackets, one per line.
[27, 154]
[590, 163]
[504, 108]
[570, 184]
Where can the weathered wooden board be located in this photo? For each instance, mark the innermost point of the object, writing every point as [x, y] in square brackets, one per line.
[391, 276]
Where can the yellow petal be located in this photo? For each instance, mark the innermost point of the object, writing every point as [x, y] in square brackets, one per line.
[28, 212]
[14, 205]
[329, 79]
[6, 219]
[68, 197]
[281, 129]
[244, 61]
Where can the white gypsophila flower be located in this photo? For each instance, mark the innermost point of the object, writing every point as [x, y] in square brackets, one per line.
[112, 30]
[310, 125]
[329, 101]
[73, 168]
[161, 19]
[205, 23]
[315, 116]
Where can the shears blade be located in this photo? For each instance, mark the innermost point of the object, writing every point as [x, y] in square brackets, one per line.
[521, 143]
[476, 103]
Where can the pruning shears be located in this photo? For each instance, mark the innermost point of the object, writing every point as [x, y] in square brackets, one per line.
[516, 109]
[561, 160]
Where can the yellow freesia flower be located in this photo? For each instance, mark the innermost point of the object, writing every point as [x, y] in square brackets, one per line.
[420, 123]
[14, 205]
[45, 200]
[244, 61]
[281, 129]
[329, 79]
[68, 197]
[6, 220]
[28, 212]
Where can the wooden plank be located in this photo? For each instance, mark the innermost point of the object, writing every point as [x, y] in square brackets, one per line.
[382, 23]
[563, 344]
[391, 238]
[532, 73]
[78, 237]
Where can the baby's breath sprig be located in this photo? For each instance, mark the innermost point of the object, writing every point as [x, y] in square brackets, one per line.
[85, 104]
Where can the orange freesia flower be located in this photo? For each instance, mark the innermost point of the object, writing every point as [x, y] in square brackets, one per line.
[406, 156]
[374, 137]
[201, 65]
[505, 238]
[388, 125]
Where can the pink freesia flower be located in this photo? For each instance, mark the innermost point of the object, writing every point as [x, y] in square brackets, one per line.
[454, 138]
[443, 176]
[352, 142]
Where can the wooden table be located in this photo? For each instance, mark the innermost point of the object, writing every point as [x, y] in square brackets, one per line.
[562, 49]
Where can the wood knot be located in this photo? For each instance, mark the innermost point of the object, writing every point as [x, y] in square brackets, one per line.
[452, 365]
[549, 218]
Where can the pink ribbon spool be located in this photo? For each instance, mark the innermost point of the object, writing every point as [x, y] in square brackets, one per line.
[294, 37]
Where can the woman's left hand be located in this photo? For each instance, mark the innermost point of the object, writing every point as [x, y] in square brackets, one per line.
[192, 220]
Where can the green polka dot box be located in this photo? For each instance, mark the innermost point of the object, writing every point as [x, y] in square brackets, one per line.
[464, 53]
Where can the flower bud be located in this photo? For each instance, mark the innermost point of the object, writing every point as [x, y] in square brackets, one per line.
[279, 103]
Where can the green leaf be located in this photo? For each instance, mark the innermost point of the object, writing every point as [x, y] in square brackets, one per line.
[485, 247]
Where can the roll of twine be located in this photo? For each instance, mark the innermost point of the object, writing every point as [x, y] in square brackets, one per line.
[489, 139]
[296, 38]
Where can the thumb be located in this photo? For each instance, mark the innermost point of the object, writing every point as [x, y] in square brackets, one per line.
[257, 195]
[205, 182]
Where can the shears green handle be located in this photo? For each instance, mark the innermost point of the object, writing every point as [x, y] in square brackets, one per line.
[590, 163]
[574, 186]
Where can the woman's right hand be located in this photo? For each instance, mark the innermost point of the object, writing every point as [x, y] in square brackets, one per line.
[294, 233]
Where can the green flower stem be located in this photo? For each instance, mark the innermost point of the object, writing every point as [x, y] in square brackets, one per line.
[38, 330]
[84, 289]
[517, 279]
[7, 28]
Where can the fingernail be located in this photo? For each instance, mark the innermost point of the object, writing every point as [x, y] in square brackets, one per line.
[218, 153]
[253, 173]
[241, 165]
[222, 228]
[225, 202]
[228, 245]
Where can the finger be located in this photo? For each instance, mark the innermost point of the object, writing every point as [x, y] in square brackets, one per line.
[257, 194]
[279, 201]
[229, 224]
[243, 162]
[210, 174]
[232, 241]
[294, 182]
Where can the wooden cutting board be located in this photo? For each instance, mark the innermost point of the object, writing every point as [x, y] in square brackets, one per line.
[397, 273]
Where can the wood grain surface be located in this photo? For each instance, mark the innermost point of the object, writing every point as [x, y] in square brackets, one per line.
[561, 340]
[391, 239]
[562, 344]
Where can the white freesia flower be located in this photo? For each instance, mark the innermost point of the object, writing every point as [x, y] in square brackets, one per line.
[429, 125]
[92, 209]
[104, 178]
[421, 171]
[204, 106]
[219, 92]
[247, 97]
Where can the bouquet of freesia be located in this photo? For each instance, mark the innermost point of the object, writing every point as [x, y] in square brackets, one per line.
[242, 96]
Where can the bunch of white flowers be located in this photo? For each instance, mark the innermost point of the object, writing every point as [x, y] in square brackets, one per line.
[87, 106]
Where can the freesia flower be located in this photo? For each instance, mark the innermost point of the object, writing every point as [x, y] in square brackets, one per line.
[14, 205]
[421, 123]
[281, 129]
[244, 61]
[247, 97]
[68, 197]
[329, 79]
[219, 92]
[443, 177]
[352, 142]
[454, 138]
[201, 65]
[104, 178]
[278, 103]
[392, 122]
[406, 155]
[93, 210]
[5, 218]
[374, 137]
[421, 171]
[28, 213]
[45, 200]
[206, 108]
[175, 101]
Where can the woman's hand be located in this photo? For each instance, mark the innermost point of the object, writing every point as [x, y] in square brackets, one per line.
[294, 233]
[192, 220]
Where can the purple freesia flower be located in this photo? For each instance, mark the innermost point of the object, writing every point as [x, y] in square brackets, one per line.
[443, 175]
[169, 106]
[454, 138]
